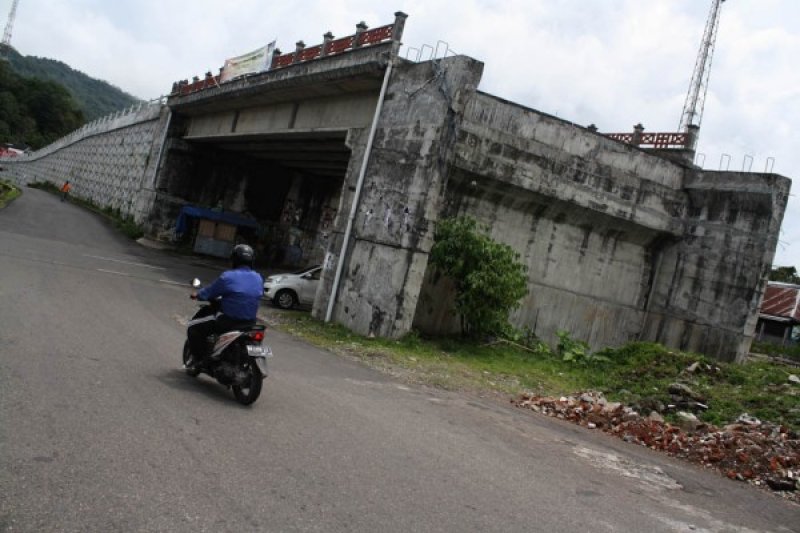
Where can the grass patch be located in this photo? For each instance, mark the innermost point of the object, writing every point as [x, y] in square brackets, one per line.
[637, 374]
[125, 224]
[776, 350]
[7, 193]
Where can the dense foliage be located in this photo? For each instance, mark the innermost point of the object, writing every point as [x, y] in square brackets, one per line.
[34, 112]
[95, 98]
[786, 274]
[489, 279]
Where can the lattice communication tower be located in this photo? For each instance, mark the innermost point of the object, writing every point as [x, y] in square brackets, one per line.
[696, 98]
[10, 23]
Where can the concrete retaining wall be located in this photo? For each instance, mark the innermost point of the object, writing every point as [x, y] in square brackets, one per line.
[111, 162]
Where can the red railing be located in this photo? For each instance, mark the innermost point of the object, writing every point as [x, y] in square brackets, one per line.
[376, 35]
[654, 140]
[328, 48]
[184, 87]
[340, 45]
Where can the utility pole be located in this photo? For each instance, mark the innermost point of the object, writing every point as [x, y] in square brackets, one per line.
[692, 114]
[10, 23]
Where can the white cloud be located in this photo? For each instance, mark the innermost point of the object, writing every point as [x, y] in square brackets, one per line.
[609, 62]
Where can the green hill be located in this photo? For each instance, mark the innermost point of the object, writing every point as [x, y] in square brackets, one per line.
[96, 98]
[34, 112]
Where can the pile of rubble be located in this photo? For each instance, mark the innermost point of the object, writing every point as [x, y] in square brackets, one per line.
[756, 452]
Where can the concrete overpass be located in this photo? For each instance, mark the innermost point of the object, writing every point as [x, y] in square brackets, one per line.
[348, 155]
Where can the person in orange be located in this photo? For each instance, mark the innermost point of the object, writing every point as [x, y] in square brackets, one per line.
[65, 190]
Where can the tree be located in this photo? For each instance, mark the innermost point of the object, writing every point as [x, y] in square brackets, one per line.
[35, 112]
[784, 274]
[490, 281]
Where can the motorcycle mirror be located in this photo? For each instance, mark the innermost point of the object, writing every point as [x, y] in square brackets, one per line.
[196, 283]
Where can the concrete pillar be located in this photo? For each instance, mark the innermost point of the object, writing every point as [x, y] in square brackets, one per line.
[298, 49]
[399, 26]
[692, 133]
[275, 54]
[326, 39]
[386, 260]
[361, 27]
[637, 134]
[592, 128]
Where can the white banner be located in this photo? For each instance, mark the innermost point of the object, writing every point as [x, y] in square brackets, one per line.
[255, 61]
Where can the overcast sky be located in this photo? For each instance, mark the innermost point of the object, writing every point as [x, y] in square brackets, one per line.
[609, 62]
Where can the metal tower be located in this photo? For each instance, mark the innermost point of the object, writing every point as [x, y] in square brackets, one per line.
[10, 23]
[696, 98]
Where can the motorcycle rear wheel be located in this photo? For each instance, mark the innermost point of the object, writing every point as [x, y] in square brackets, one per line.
[188, 361]
[248, 393]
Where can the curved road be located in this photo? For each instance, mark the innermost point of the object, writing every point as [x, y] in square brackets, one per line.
[100, 430]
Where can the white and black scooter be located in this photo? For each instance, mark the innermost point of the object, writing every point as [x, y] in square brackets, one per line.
[238, 359]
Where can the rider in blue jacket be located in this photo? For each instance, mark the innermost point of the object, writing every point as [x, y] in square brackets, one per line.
[239, 290]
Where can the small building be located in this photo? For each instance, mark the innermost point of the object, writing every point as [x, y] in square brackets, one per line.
[779, 315]
[215, 232]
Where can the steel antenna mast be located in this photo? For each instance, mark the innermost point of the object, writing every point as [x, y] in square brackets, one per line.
[10, 23]
[696, 97]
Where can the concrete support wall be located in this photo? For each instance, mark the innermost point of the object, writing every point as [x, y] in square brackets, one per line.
[587, 272]
[709, 285]
[620, 244]
[401, 199]
[110, 162]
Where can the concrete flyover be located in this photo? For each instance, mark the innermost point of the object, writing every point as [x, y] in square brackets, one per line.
[347, 155]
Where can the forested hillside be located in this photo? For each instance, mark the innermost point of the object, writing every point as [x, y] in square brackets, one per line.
[34, 112]
[96, 98]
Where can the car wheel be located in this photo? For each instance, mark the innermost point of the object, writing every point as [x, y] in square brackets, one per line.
[285, 299]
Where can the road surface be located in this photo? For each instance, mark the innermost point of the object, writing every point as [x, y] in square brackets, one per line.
[100, 430]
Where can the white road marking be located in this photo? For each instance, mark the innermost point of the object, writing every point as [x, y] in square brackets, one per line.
[169, 281]
[114, 272]
[124, 262]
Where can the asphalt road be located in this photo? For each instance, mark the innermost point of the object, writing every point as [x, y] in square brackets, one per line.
[100, 430]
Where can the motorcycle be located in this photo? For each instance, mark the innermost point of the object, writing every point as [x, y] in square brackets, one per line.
[238, 358]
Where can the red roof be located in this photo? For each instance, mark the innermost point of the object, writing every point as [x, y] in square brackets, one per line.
[781, 300]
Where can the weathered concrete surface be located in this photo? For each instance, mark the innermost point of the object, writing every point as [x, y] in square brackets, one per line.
[709, 285]
[401, 200]
[621, 243]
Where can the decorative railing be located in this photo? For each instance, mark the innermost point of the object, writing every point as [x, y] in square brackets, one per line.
[655, 140]
[329, 47]
[638, 137]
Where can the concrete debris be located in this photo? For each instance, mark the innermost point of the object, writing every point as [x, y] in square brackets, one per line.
[684, 391]
[687, 421]
[750, 450]
[794, 379]
[744, 418]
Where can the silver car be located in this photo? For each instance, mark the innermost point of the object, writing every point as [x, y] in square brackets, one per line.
[290, 289]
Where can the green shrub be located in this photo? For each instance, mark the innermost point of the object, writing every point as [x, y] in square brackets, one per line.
[489, 279]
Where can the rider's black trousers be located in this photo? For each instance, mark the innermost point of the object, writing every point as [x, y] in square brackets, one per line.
[206, 323]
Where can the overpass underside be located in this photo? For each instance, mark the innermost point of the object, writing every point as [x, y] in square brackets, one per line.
[620, 244]
[279, 153]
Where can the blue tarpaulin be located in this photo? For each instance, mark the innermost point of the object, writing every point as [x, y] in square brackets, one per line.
[234, 219]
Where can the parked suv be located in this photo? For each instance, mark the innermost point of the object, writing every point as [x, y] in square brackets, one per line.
[290, 289]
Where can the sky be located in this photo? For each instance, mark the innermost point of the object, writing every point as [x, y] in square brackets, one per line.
[613, 63]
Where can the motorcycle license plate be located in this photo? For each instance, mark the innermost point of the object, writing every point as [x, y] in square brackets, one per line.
[254, 350]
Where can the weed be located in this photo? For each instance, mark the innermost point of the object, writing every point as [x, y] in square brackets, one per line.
[7, 193]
